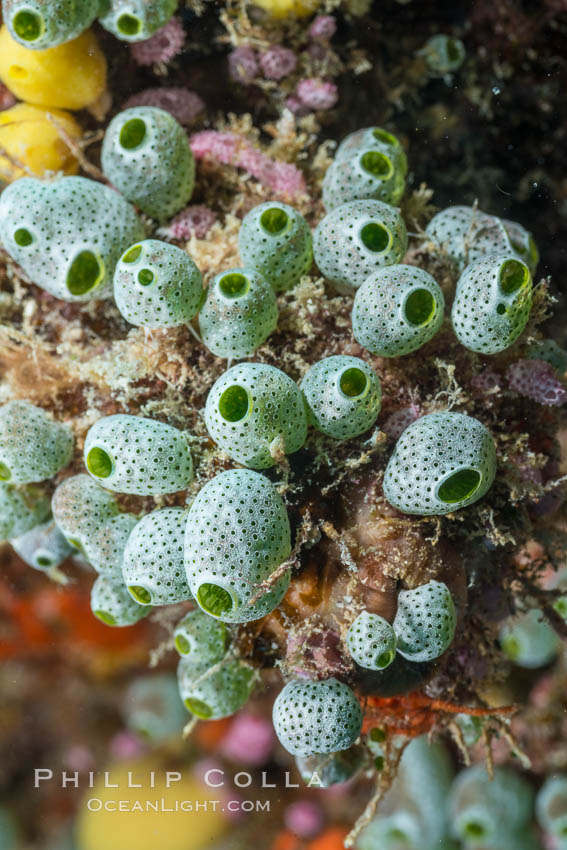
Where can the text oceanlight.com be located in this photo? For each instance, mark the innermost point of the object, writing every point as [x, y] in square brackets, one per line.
[95, 804]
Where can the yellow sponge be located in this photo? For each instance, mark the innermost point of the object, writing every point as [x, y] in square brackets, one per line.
[288, 8]
[70, 76]
[31, 139]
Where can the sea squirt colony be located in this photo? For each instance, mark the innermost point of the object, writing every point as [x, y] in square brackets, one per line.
[229, 550]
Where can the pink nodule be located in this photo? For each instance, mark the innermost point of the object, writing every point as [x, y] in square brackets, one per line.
[249, 740]
[183, 104]
[195, 220]
[317, 94]
[304, 818]
[163, 46]
[324, 27]
[243, 65]
[277, 62]
[537, 380]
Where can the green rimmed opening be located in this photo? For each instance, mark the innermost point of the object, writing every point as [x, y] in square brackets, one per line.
[234, 403]
[198, 708]
[419, 308]
[561, 607]
[105, 618]
[132, 134]
[234, 285]
[145, 277]
[383, 136]
[23, 237]
[132, 254]
[510, 647]
[99, 463]
[375, 237]
[378, 735]
[274, 220]
[353, 382]
[128, 24]
[385, 659]
[474, 829]
[459, 486]
[454, 52]
[140, 594]
[43, 561]
[5, 473]
[85, 273]
[396, 834]
[513, 275]
[377, 164]
[77, 544]
[182, 645]
[28, 25]
[214, 600]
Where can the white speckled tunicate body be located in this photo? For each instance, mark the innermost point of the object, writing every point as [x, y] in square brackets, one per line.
[200, 638]
[551, 805]
[397, 310]
[132, 454]
[54, 23]
[237, 534]
[136, 20]
[528, 639]
[112, 604]
[33, 446]
[492, 304]
[365, 173]
[80, 506]
[356, 239]
[43, 547]
[342, 395]
[105, 548]
[157, 285]
[425, 621]
[153, 567]
[275, 240]
[239, 314]
[212, 692]
[21, 509]
[67, 235]
[374, 138]
[316, 717]
[371, 641]
[441, 462]
[146, 155]
[252, 406]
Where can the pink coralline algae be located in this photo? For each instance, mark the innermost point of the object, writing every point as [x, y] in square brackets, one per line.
[278, 62]
[183, 104]
[282, 178]
[317, 94]
[323, 27]
[536, 380]
[243, 65]
[398, 421]
[249, 740]
[195, 220]
[163, 46]
[305, 818]
[485, 382]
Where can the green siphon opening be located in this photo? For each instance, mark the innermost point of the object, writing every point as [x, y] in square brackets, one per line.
[419, 308]
[453, 51]
[5, 473]
[375, 237]
[140, 594]
[513, 275]
[510, 647]
[234, 285]
[23, 237]
[473, 829]
[182, 645]
[353, 382]
[459, 486]
[132, 134]
[561, 607]
[234, 403]
[214, 600]
[384, 137]
[105, 617]
[198, 708]
[28, 25]
[129, 24]
[86, 272]
[274, 220]
[99, 463]
[42, 561]
[145, 277]
[132, 254]
[377, 164]
[77, 544]
[385, 659]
